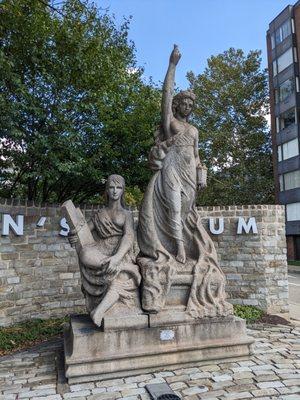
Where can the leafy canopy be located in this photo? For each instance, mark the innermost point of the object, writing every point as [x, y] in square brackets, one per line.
[73, 105]
[231, 109]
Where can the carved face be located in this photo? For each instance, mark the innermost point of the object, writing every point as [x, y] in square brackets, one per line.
[115, 190]
[185, 107]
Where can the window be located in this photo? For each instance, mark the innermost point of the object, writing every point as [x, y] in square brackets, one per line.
[279, 156]
[290, 149]
[275, 72]
[292, 180]
[293, 212]
[273, 41]
[285, 30]
[281, 33]
[286, 119]
[277, 124]
[281, 183]
[285, 60]
[285, 90]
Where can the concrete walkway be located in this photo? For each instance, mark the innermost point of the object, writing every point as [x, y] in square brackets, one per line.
[272, 372]
[294, 295]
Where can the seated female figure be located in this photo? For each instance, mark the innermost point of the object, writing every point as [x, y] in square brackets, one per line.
[108, 273]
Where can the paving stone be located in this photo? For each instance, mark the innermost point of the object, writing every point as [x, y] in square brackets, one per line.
[290, 389]
[122, 387]
[212, 394]
[177, 378]
[238, 396]
[139, 378]
[200, 375]
[186, 371]
[195, 390]
[264, 378]
[264, 392]
[104, 396]
[110, 382]
[73, 395]
[221, 378]
[241, 388]
[133, 392]
[178, 385]
[51, 397]
[82, 386]
[291, 382]
[273, 384]
[241, 369]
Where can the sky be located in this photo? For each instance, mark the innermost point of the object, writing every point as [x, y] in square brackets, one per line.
[201, 28]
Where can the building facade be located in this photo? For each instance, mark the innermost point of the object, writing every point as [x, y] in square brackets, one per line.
[283, 46]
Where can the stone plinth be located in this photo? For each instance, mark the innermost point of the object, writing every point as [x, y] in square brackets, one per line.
[93, 353]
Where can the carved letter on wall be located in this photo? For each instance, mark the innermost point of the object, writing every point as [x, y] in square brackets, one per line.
[246, 226]
[63, 224]
[8, 222]
[212, 228]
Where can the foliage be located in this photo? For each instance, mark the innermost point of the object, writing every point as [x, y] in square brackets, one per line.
[27, 333]
[73, 105]
[133, 196]
[249, 313]
[294, 262]
[231, 109]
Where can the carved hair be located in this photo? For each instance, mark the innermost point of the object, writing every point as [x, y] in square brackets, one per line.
[177, 99]
[118, 180]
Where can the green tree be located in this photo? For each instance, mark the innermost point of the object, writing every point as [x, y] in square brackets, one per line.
[73, 105]
[231, 109]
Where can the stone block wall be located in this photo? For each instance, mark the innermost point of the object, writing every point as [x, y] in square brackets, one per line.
[255, 264]
[39, 274]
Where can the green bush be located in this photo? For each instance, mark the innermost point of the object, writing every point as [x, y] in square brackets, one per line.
[26, 333]
[249, 313]
[294, 262]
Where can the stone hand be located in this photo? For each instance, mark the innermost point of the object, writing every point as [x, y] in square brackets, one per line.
[73, 238]
[175, 55]
[202, 185]
[113, 265]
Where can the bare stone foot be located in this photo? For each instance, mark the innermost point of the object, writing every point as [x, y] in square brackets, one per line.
[181, 257]
[97, 317]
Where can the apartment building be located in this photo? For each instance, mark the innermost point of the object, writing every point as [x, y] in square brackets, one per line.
[283, 46]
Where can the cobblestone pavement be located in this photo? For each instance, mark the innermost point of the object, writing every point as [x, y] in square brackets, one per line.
[272, 372]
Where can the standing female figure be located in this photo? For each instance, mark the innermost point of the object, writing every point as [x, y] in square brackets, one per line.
[170, 233]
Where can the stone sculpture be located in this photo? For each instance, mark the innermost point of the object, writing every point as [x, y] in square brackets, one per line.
[171, 237]
[180, 284]
[104, 247]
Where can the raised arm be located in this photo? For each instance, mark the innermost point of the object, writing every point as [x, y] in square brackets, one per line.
[168, 91]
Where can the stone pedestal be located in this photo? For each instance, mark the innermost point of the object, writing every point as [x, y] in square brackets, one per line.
[93, 353]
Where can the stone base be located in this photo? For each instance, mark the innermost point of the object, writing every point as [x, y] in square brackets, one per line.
[92, 353]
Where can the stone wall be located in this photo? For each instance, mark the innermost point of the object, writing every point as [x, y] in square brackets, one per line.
[255, 265]
[39, 275]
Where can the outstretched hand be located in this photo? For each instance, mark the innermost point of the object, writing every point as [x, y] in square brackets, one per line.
[175, 55]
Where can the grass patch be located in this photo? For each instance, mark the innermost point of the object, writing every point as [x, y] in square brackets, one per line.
[295, 262]
[249, 313]
[29, 333]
